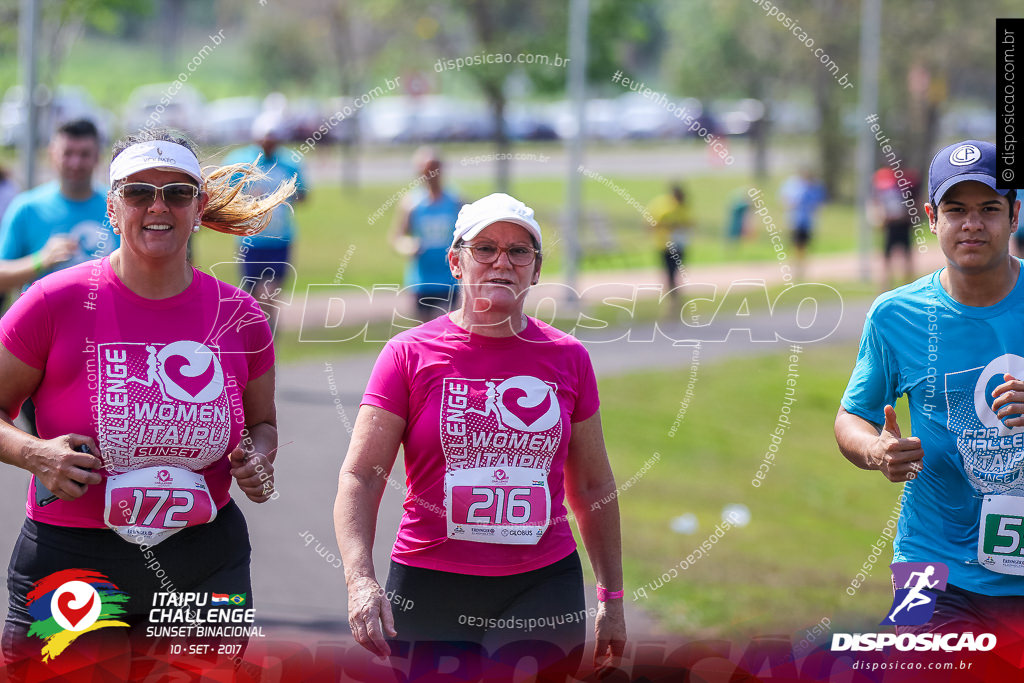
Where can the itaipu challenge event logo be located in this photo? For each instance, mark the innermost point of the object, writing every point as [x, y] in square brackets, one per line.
[70, 603]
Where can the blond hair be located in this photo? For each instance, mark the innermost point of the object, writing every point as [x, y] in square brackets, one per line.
[230, 208]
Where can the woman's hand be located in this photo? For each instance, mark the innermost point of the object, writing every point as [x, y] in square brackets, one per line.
[369, 615]
[63, 470]
[254, 472]
[610, 633]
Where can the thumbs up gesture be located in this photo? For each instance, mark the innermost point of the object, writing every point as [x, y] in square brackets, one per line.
[899, 459]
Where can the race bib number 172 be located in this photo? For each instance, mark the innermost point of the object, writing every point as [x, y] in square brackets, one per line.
[149, 505]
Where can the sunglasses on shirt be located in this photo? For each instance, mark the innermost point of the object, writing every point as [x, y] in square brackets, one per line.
[144, 194]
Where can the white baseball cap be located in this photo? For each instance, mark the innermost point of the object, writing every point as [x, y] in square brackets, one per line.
[161, 154]
[494, 208]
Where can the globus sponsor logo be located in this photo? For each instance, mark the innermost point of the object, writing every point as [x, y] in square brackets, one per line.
[917, 642]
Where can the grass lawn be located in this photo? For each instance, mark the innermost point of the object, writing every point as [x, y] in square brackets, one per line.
[289, 348]
[337, 244]
[813, 519]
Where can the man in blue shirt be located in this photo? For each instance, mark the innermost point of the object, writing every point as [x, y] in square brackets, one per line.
[265, 256]
[423, 230]
[952, 342]
[803, 196]
[65, 220]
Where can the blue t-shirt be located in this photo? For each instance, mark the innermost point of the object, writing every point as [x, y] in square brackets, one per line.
[279, 168]
[433, 224]
[37, 214]
[947, 358]
[803, 197]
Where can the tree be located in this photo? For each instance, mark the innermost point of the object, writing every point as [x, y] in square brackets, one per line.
[468, 28]
[728, 51]
[62, 23]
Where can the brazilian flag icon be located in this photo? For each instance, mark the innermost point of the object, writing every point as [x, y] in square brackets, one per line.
[237, 599]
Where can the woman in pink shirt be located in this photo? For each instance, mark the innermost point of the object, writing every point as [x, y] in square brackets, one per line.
[498, 417]
[154, 389]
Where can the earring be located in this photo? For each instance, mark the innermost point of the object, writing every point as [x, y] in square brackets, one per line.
[195, 228]
[114, 229]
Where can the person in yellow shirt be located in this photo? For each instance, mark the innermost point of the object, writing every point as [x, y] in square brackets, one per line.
[672, 225]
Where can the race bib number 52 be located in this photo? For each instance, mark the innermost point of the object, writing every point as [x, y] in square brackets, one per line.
[1001, 534]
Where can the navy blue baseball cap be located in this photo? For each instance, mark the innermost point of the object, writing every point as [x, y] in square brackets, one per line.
[967, 160]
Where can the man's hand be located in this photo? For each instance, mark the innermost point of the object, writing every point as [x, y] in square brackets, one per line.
[1009, 401]
[899, 459]
[58, 249]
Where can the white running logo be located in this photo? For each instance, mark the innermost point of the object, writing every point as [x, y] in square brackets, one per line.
[915, 598]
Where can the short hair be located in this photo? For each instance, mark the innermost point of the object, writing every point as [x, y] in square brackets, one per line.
[79, 128]
[424, 155]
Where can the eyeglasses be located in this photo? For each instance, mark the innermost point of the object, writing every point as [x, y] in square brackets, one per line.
[144, 194]
[489, 253]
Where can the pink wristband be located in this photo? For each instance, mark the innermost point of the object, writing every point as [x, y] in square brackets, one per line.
[604, 595]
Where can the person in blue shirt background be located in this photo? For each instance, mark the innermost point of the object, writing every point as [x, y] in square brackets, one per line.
[423, 230]
[803, 196]
[63, 222]
[265, 257]
[951, 341]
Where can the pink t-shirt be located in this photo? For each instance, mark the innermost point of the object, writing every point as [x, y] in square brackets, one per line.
[154, 382]
[488, 423]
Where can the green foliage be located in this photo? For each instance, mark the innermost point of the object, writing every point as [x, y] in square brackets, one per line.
[792, 564]
[283, 51]
[104, 16]
[331, 220]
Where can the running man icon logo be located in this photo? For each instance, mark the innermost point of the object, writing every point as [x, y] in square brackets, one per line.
[914, 603]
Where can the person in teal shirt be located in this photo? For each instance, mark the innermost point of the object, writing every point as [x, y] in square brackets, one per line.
[63, 222]
[951, 342]
[265, 258]
[423, 230]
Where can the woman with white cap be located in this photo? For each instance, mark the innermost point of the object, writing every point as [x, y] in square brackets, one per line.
[154, 389]
[498, 416]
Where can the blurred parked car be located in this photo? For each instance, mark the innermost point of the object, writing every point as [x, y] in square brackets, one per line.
[69, 102]
[229, 121]
[167, 105]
